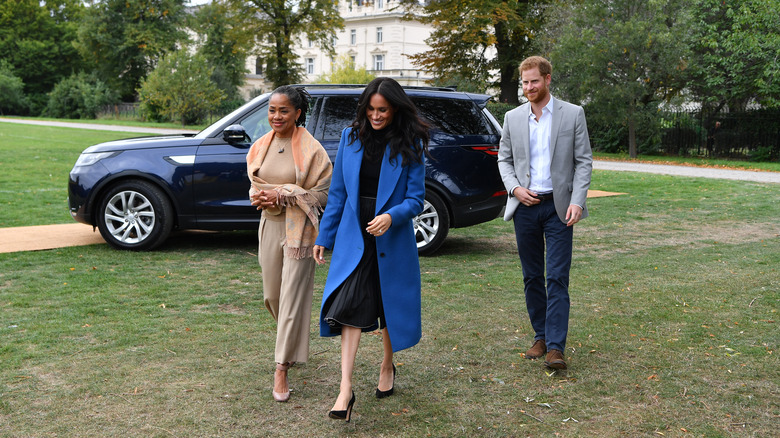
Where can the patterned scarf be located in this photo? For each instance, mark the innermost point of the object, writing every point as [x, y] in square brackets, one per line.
[303, 200]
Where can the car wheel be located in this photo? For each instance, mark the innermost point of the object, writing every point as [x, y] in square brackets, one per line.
[431, 225]
[135, 215]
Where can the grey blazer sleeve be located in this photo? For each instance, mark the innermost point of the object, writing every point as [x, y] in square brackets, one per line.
[583, 161]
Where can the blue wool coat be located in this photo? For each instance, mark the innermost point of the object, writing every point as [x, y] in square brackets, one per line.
[401, 194]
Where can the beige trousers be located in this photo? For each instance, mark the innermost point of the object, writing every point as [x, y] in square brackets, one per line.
[288, 287]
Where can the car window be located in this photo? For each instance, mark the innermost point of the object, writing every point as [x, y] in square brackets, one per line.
[455, 117]
[337, 113]
[256, 123]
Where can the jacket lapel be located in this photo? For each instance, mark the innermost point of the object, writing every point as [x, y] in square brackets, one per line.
[353, 158]
[388, 179]
[556, 125]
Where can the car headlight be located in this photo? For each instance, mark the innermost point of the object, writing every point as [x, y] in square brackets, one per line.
[90, 159]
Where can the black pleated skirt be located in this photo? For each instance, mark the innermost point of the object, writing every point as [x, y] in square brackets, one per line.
[357, 302]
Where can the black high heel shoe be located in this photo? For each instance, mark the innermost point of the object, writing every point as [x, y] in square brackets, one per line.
[389, 392]
[345, 414]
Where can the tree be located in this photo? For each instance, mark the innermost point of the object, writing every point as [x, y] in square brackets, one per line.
[124, 39]
[180, 88]
[472, 38]
[621, 57]
[344, 72]
[735, 53]
[278, 23]
[12, 98]
[224, 44]
[36, 39]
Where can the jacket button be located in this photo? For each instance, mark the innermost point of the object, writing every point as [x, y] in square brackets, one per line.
[381, 254]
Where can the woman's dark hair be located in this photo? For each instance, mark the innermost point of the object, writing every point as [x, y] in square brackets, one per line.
[299, 98]
[407, 134]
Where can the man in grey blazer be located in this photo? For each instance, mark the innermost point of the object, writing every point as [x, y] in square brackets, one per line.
[545, 162]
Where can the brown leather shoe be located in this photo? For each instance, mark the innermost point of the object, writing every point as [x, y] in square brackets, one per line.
[537, 350]
[555, 360]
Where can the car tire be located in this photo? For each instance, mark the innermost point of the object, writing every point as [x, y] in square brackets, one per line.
[134, 215]
[431, 225]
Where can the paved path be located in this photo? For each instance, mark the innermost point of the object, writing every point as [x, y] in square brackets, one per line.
[99, 127]
[702, 172]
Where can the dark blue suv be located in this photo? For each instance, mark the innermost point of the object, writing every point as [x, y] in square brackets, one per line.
[137, 190]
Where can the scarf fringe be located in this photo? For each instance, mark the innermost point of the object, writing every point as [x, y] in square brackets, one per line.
[299, 253]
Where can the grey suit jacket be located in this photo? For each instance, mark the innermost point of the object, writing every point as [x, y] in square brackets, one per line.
[570, 153]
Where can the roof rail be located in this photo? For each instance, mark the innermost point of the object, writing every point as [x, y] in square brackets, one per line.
[406, 87]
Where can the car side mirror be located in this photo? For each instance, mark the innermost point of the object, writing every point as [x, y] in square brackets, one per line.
[234, 134]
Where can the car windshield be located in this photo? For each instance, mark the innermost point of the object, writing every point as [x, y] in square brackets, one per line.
[217, 127]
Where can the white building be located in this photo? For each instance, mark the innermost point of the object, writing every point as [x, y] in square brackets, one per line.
[375, 36]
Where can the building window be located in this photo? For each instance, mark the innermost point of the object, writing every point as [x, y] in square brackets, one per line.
[258, 66]
[352, 58]
[380, 4]
[352, 37]
[310, 43]
[378, 35]
[310, 66]
[379, 62]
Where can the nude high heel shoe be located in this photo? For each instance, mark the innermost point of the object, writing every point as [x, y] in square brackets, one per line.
[282, 396]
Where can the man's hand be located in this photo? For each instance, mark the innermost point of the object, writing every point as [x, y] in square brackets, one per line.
[525, 196]
[573, 214]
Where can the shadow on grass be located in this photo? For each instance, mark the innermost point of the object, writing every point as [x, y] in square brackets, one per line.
[463, 245]
[210, 240]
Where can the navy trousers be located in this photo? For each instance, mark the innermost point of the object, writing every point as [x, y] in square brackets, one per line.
[547, 302]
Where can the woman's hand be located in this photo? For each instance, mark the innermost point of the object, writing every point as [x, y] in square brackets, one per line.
[264, 199]
[319, 254]
[380, 224]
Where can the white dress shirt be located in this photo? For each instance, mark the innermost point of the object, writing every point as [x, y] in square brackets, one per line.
[540, 159]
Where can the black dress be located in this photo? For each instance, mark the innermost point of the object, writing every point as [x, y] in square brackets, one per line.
[357, 302]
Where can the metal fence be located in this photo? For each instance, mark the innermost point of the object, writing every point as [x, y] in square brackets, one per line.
[751, 134]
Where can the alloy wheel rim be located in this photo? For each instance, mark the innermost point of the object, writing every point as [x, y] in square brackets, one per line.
[426, 225]
[129, 217]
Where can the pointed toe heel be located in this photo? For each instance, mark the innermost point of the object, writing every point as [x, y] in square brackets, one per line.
[346, 414]
[389, 392]
[282, 396]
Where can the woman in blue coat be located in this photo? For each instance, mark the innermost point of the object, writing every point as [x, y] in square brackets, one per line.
[378, 187]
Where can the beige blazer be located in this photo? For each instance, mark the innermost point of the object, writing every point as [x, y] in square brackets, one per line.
[571, 157]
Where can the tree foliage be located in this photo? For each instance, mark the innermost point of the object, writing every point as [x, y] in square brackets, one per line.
[224, 44]
[12, 98]
[735, 53]
[344, 72]
[180, 89]
[278, 24]
[123, 39]
[621, 57]
[471, 38]
[80, 96]
[36, 39]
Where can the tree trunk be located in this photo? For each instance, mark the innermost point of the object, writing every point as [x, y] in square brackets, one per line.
[632, 136]
[508, 82]
[509, 85]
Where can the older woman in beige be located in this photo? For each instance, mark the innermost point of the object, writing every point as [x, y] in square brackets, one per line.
[290, 173]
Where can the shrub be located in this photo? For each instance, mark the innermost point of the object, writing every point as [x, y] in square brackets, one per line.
[79, 96]
[344, 72]
[499, 109]
[12, 98]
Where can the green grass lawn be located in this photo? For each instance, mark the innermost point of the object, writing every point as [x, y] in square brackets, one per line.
[674, 329]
